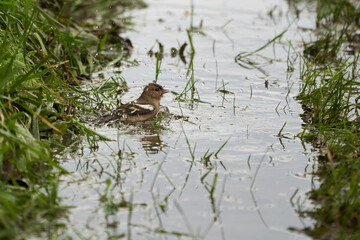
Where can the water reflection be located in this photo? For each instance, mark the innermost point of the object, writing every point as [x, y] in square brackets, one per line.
[151, 144]
[148, 132]
[185, 190]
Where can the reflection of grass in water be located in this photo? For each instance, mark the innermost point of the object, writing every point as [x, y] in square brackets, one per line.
[206, 159]
[111, 203]
[244, 60]
[191, 150]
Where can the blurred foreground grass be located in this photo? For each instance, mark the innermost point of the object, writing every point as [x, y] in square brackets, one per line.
[47, 49]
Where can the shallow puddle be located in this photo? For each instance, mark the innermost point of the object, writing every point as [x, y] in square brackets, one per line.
[162, 185]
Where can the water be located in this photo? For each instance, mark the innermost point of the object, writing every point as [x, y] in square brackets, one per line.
[256, 183]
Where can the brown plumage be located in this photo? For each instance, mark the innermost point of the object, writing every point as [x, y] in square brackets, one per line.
[142, 109]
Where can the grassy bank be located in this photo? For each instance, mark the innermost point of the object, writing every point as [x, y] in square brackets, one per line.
[47, 49]
[330, 100]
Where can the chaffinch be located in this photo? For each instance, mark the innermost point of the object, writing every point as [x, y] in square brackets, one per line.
[142, 109]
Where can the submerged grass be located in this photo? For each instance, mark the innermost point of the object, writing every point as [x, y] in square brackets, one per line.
[47, 49]
[330, 100]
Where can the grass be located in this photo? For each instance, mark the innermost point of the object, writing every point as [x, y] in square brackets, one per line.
[190, 85]
[330, 100]
[47, 49]
[158, 66]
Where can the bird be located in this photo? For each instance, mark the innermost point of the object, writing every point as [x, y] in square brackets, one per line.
[142, 109]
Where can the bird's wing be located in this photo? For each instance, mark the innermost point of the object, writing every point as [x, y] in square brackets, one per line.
[133, 109]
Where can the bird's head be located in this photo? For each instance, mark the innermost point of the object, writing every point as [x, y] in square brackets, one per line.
[154, 91]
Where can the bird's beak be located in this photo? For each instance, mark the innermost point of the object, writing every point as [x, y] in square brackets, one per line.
[164, 91]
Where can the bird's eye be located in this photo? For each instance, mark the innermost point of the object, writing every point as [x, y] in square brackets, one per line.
[157, 89]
